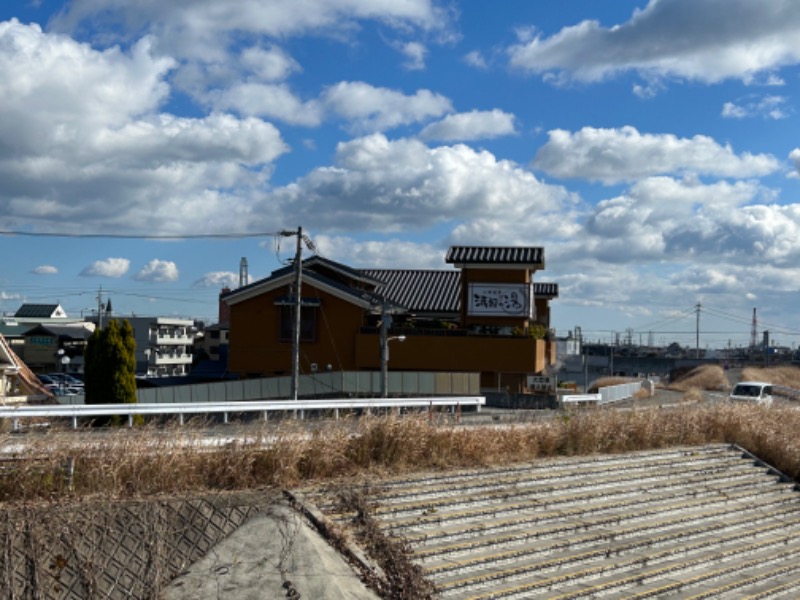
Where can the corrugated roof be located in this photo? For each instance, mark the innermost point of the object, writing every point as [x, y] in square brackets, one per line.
[419, 290]
[504, 255]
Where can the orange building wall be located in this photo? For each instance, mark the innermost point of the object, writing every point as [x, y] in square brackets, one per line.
[255, 327]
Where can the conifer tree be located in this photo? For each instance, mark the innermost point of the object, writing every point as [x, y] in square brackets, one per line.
[110, 365]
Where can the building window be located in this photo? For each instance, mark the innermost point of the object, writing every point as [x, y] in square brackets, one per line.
[308, 323]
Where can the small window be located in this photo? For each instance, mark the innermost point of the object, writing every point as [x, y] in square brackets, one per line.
[308, 323]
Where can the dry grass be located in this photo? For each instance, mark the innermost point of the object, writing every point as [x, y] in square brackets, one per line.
[147, 462]
[786, 376]
[705, 377]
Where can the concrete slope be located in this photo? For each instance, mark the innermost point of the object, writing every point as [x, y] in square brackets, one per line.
[275, 555]
[695, 522]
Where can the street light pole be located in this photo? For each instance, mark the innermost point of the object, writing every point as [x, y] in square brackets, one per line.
[385, 361]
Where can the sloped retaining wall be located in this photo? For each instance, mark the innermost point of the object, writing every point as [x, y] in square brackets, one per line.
[86, 550]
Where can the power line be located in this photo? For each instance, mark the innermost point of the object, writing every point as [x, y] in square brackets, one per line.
[139, 236]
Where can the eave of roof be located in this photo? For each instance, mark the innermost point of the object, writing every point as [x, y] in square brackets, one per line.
[497, 256]
[355, 296]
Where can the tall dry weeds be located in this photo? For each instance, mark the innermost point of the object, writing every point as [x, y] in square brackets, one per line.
[149, 461]
[704, 377]
[785, 375]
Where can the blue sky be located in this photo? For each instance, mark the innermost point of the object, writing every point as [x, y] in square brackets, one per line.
[650, 147]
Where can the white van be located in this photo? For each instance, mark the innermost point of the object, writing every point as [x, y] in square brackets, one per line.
[752, 391]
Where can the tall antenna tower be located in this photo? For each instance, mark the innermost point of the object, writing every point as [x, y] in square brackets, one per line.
[753, 331]
[243, 277]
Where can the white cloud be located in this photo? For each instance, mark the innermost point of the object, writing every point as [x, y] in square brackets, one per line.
[706, 41]
[370, 108]
[733, 111]
[110, 267]
[218, 279]
[202, 27]
[415, 53]
[204, 34]
[767, 107]
[158, 271]
[275, 101]
[45, 270]
[382, 185]
[269, 64]
[365, 108]
[381, 254]
[77, 123]
[56, 87]
[615, 155]
[476, 59]
[474, 125]
[794, 156]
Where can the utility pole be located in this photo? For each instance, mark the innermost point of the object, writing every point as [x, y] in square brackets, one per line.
[298, 303]
[100, 308]
[697, 334]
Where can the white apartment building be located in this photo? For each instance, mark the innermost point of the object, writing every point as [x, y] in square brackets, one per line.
[163, 345]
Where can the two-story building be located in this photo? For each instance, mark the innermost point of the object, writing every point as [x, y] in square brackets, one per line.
[485, 315]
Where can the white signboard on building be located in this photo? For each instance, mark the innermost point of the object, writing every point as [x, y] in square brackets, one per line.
[542, 383]
[501, 300]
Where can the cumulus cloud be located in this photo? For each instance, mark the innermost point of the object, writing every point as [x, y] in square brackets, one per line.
[708, 41]
[45, 270]
[794, 156]
[670, 221]
[615, 155]
[269, 64]
[415, 55]
[382, 185]
[474, 125]
[767, 107]
[202, 28]
[378, 254]
[78, 122]
[204, 35]
[476, 59]
[110, 267]
[363, 107]
[158, 271]
[368, 108]
[275, 101]
[218, 279]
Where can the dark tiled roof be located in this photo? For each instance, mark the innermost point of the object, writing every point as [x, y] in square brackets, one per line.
[61, 331]
[488, 255]
[545, 290]
[418, 290]
[321, 265]
[433, 291]
[36, 311]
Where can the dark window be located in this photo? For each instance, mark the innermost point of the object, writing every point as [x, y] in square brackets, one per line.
[308, 323]
[215, 334]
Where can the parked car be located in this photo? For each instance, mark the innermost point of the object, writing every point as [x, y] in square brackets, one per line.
[65, 379]
[46, 380]
[752, 391]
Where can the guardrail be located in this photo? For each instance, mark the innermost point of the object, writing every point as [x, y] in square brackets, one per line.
[605, 395]
[580, 399]
[78, 411]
